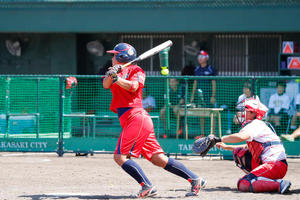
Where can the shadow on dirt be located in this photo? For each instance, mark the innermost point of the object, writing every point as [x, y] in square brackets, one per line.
[290, 192]
[220, 189]
[78, 196]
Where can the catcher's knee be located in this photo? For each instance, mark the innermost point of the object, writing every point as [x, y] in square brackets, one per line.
[242, 158]
[245, 183]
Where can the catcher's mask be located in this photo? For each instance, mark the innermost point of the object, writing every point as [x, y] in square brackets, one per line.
[251, 105]
[124, 52]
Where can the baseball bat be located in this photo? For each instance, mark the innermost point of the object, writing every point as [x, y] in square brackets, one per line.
[150, 52]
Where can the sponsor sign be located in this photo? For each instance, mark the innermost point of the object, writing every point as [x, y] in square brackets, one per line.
[293, 63]
[287, 47]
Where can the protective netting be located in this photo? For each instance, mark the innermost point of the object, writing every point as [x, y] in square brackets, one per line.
[180, 107]
[29, 107]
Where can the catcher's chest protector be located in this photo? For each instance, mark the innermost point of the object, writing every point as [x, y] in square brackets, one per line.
[256, 148]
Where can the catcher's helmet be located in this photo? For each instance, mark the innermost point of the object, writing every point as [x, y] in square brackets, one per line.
[252, 105]
[124, 52]
[256, 106]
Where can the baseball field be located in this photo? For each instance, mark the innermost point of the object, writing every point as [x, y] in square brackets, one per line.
[45, 176]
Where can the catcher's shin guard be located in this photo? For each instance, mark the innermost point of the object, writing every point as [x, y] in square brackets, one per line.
[251, 183]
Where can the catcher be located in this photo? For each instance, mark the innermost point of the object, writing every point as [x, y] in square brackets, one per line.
[263, 158]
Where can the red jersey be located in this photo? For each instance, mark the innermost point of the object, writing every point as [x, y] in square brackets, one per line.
[123, 98]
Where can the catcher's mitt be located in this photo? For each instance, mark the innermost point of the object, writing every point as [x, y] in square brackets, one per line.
[203, 145]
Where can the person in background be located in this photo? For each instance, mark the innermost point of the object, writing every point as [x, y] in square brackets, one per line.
[148, 101]
[248, 93]
[292, 136]
[176, 100]
[279, 104]
[296, 131]
[188, 70]
[204, 91]
[177, 94]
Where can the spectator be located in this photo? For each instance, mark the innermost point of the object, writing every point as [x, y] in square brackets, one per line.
[248, 93]
[148, 101]
[279, 104]
[206, 89]
[292, 90]
[293, 136]
[296, 132]
[177, 95]
[188, 70]
[176, 99]
[296, 114]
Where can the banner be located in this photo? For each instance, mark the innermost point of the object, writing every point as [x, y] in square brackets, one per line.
[293, 62]
[287, 47]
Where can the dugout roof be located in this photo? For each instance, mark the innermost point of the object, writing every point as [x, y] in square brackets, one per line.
[149, 16]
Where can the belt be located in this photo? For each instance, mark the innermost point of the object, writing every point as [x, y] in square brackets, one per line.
[122, 110]
[266, 144]
[284, 161]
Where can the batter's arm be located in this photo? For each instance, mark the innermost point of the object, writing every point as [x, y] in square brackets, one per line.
[130, 86]
[107, 82]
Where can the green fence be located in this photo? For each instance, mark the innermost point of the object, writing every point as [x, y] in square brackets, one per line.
[38, 113]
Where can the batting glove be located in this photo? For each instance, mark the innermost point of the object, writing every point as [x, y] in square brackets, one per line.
[113, 70]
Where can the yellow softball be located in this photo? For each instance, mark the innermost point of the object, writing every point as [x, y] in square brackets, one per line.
[164, 71]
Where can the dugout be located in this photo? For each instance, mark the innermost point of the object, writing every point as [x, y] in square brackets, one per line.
[242, 37]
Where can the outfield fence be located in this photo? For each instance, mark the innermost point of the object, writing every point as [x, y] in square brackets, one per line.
[39, 113]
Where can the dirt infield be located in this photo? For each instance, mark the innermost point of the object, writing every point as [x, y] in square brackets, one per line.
[36, 176]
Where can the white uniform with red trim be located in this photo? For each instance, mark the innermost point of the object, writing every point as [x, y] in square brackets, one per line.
[278, 102]
[260, 132]
[297, 100]
[268, 160]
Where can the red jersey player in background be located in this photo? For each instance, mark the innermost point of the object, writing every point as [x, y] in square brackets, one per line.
[137, 136]
[263, 158]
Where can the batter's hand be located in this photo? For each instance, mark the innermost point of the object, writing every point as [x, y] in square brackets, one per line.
[112, 71]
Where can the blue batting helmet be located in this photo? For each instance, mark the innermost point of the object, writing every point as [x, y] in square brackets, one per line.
[124, 52]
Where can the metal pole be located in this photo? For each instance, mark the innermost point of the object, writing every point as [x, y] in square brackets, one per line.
[168, 105]
[185, 106]
[7, 105]
[60, 149]
[38, 109]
